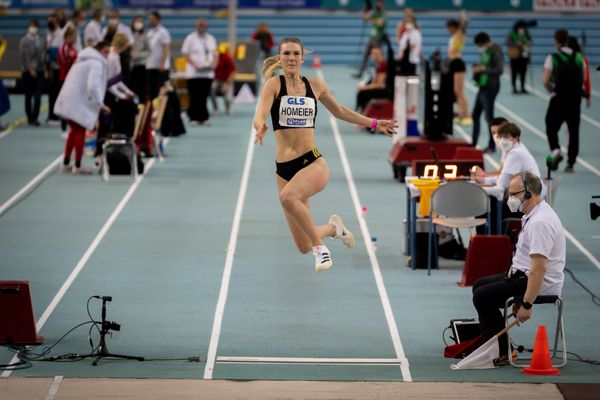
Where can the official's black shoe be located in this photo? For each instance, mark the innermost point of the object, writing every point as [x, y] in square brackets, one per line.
[569, 168]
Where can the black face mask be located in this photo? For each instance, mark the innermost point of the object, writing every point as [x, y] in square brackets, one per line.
[51, 25]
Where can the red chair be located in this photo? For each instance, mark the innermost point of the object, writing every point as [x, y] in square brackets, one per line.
[486, 255]
[380, 109]
[468, 154]
[17, 325]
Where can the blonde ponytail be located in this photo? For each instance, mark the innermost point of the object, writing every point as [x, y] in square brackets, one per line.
[270, 65]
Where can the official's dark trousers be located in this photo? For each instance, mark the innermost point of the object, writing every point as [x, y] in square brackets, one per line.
[363, 97]
[560, 111]
[484, 102]
[518, 68]
[53, 90]
[199, 91]
[489, 295]
[33, 94]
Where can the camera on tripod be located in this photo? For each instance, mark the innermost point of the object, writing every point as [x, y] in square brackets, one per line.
[111, 326]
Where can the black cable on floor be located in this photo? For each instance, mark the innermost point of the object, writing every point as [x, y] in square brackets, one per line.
[595, 298]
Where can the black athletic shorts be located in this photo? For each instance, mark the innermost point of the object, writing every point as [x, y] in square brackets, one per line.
[457, 65]
[288, 169]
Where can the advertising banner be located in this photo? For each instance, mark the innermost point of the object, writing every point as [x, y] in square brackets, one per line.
[40, 3]
[567, 5]
[216, 3]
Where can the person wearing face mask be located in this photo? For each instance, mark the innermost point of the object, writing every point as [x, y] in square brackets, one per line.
[378, 22]
[32, 49]
[537, 264]
[158, 62]
[487, 77]
[54, 40]
[92, 33]
[517, 159]
[114, 19]
[519, 45]
[139, 54]
[81, 99]
[410, 48]
[200, 51]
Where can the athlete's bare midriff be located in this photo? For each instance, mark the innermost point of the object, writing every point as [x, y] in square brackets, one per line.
[292, 143]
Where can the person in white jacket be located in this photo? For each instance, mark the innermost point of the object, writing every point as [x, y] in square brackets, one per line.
[81, 99]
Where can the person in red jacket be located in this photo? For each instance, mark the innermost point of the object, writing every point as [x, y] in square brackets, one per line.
[263, 35]
[223, 83]
[67, 54]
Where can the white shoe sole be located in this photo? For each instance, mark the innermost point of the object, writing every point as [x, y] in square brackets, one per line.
[323, 267]
[348, 238]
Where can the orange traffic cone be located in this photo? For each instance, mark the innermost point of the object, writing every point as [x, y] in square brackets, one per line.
[316, 61]
[541, 364]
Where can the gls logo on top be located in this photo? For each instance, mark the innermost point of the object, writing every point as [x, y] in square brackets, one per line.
[295, 101]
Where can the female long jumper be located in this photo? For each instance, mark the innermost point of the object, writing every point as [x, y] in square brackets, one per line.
[301, 170]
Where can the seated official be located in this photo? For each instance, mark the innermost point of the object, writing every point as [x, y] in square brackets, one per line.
[537, 264]
[376, 88]
[517, 159]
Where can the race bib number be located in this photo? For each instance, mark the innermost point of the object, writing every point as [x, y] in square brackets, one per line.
[297, 112]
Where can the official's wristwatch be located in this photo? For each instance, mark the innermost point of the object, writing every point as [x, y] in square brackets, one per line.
[527, 305]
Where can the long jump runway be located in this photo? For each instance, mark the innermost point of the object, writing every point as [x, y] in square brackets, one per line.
[199, 260]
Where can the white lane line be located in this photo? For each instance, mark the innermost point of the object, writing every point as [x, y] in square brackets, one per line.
[54, 387]
[43, 174]
[569, 235]
[582, 248]
[385, 301]
[86, 256]
[309, 361]
[216, 329]
[535, 130]
[487, 157]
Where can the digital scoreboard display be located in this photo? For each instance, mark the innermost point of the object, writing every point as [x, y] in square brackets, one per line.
[444, 169]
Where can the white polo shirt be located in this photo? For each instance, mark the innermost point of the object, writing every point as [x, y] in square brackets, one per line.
[542, 234]
[157, 38]
[202, 51]
[92, 33]
[516, 161]
[414, 39]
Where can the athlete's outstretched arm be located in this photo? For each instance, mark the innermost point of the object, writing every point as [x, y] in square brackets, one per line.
[265, 102]
[339, 111]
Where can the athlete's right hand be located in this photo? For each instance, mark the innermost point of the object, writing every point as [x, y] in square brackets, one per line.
[260, 133]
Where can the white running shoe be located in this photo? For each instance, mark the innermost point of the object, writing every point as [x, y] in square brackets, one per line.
[341, 232]
[322, 258]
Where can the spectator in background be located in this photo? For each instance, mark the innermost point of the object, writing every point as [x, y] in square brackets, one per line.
[54, 38]
[200, 51]
[67, 55]
[114, 20]
[158, 62]
[139, 54]
[487, 76]
[519, 44]
[410, 48]
[4, 99]
[92, 34]
[587, 82]
[409, 16]
[61, 17]
[564, 79]
[378, 22]
[77, 17]
[376, 88]
[32, 50]
[223, 83]
[80, 101]
[457, 68]
[264, 37]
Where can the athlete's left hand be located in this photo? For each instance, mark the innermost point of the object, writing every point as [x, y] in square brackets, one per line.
[387, 126]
